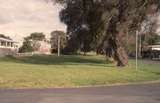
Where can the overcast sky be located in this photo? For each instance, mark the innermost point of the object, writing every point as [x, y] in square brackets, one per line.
[19, 18]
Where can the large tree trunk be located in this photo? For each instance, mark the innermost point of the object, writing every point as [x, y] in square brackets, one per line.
[115, 50]
[114, 46]
[120, 54]
[121, 57]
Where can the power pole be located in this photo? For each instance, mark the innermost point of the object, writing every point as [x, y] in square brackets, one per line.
[136, 50]
[59, 45]
[140, 46]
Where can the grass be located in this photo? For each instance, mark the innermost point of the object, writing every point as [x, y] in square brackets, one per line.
[70, 71]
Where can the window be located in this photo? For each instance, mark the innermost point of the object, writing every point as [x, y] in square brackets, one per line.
[3, 43]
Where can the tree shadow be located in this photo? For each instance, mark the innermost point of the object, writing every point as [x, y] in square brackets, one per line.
[55, 60]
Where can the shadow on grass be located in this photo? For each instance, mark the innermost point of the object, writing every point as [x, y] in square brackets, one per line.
[62, 60]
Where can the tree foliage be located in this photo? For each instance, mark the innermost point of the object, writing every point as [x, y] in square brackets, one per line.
[26, 47]
[36, 36]
[54, 40]
[30, 43]
[105, 24]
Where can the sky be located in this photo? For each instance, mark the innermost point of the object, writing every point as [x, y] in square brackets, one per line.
[19, 18]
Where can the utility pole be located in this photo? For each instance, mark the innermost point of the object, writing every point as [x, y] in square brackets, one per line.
[136, 50]
[59, 45]
[140, 46]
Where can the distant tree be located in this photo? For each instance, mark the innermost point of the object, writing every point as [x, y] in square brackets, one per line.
[26, 47]
[30, 43]
[37, 36]
[152, 40]
[54, 40]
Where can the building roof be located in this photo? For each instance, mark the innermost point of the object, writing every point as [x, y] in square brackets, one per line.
[7, 40]
[155, 47]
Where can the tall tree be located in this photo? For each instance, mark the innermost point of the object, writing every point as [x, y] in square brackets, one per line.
[105, 23]
[55, 35]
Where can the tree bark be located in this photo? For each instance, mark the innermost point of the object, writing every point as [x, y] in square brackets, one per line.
[121, 57]
[115, 50]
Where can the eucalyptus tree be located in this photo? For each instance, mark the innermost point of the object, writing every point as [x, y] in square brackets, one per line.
[105, 24]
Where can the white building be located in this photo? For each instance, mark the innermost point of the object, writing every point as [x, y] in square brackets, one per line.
[8, 47]
[42, 47]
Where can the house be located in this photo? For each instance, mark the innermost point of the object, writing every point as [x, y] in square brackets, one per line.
[8, 46]
[44, 47]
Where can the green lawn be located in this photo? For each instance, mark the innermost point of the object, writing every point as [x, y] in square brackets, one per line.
[70, 71]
